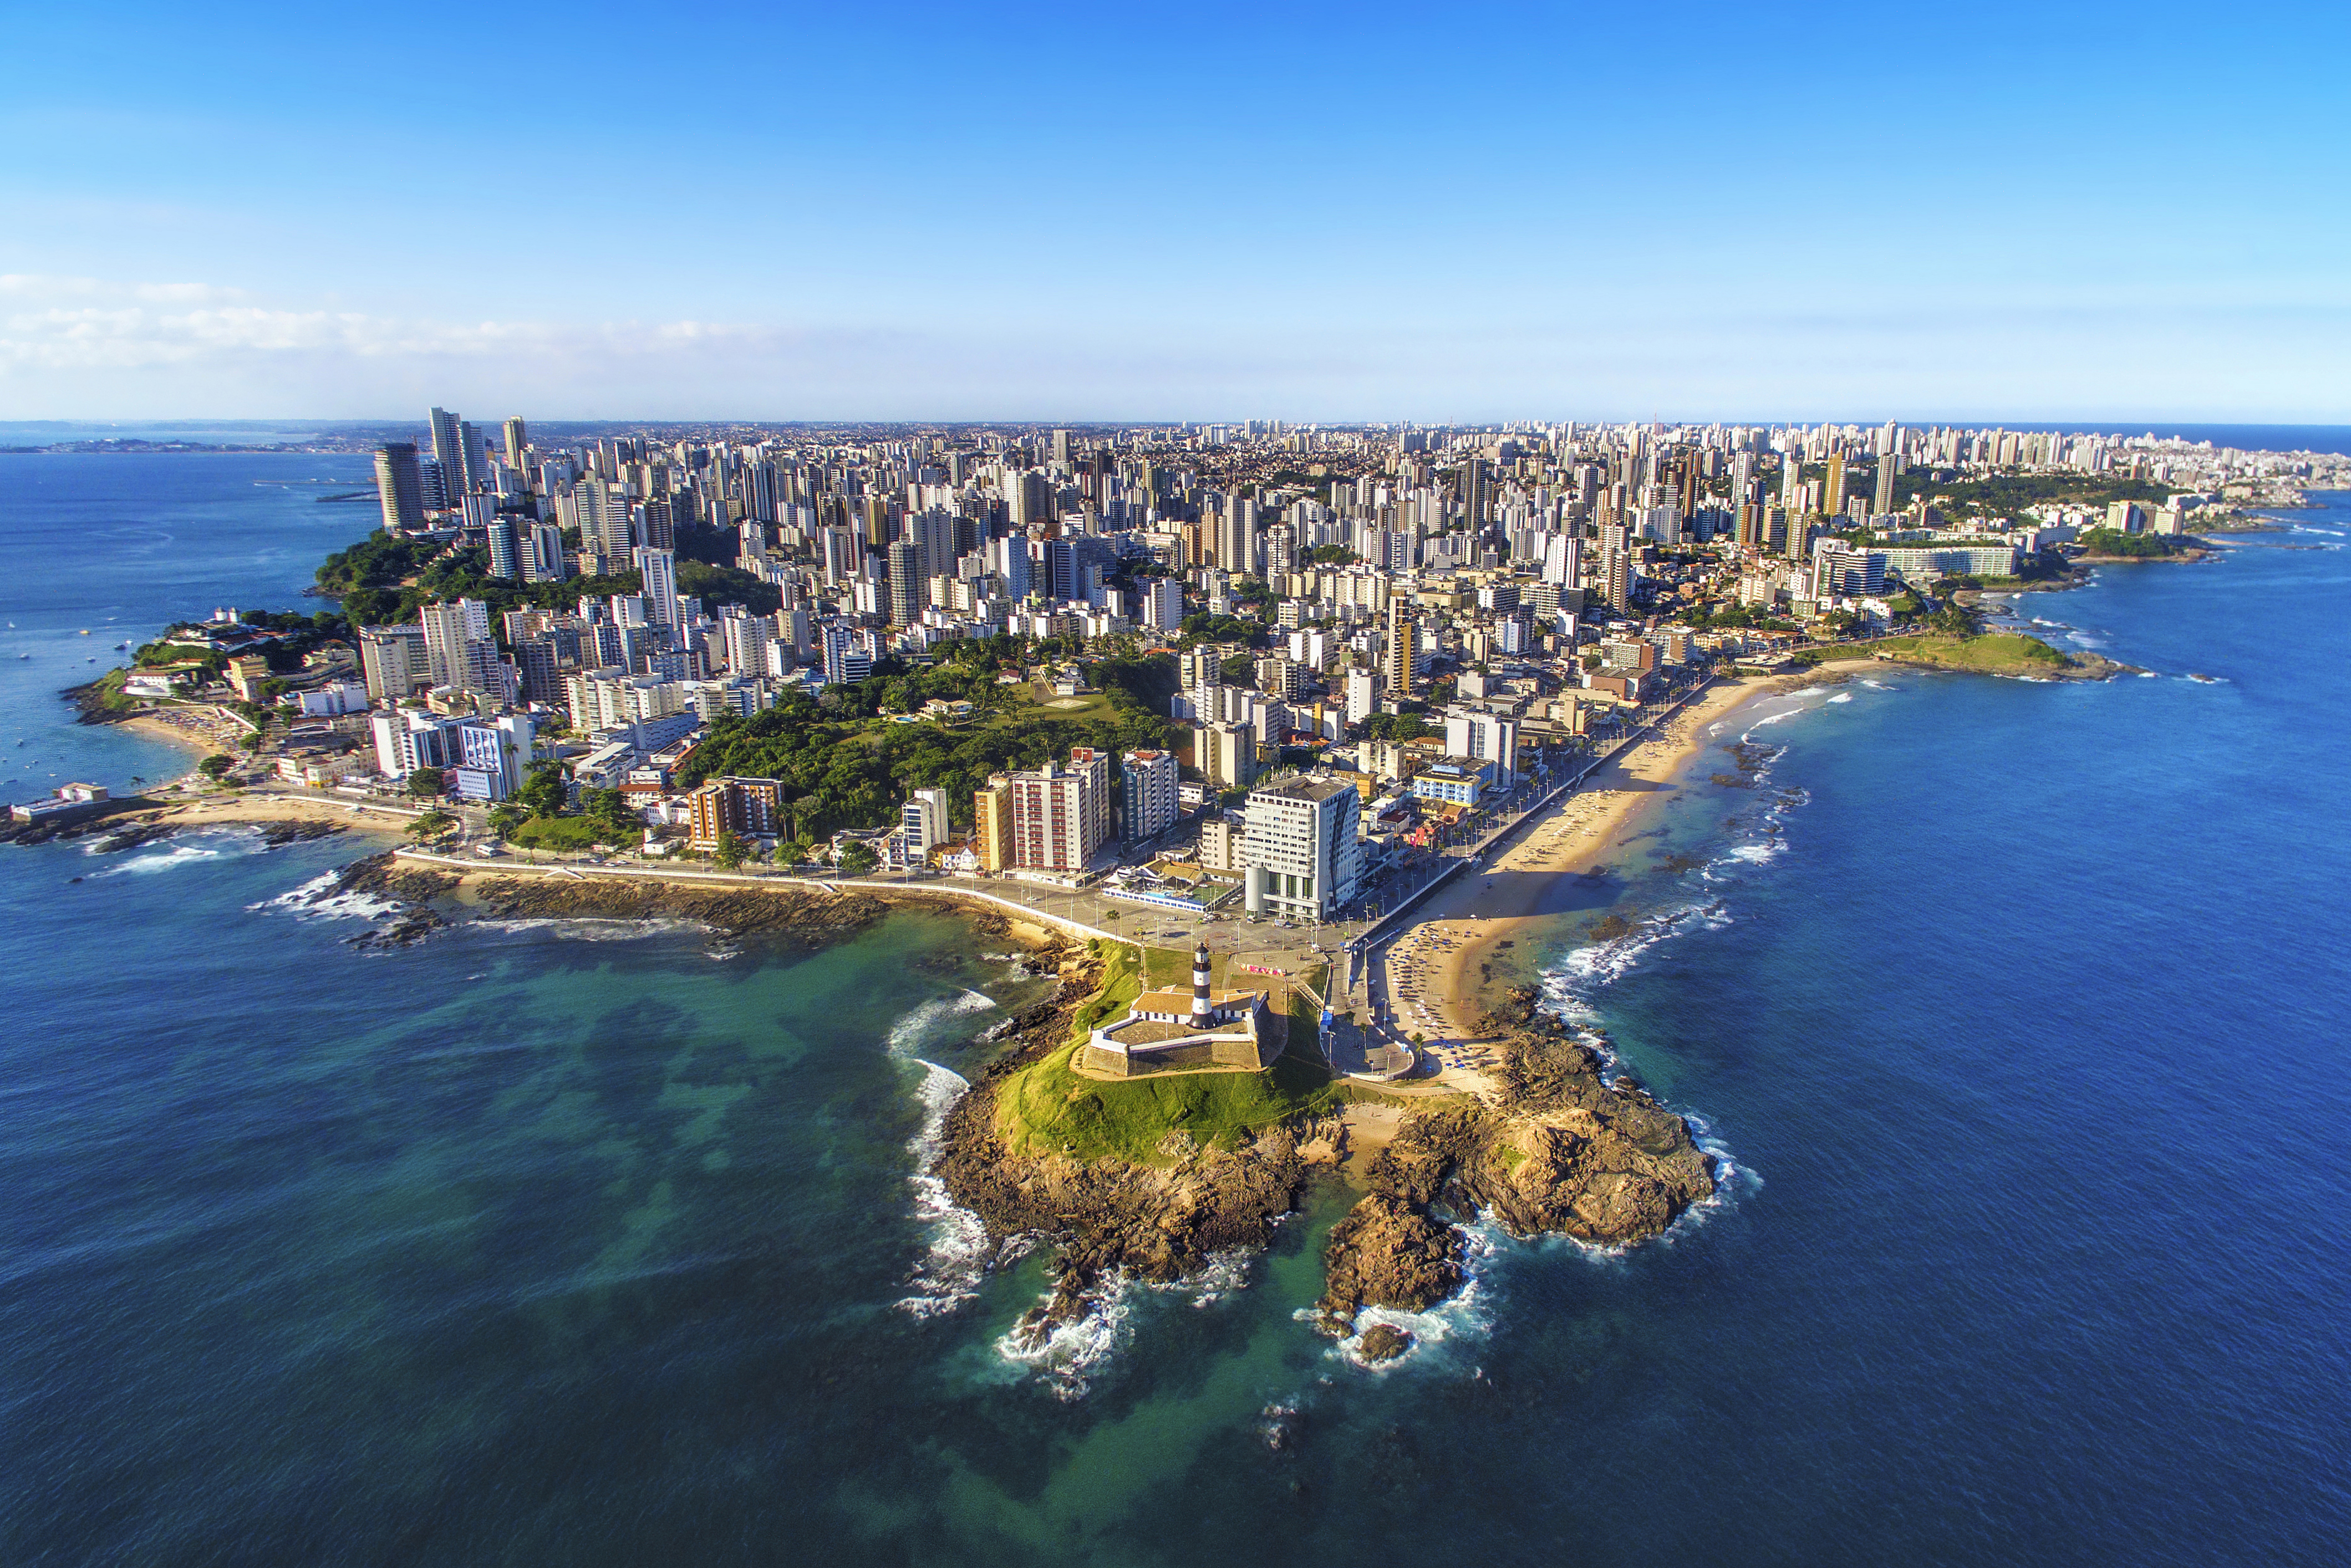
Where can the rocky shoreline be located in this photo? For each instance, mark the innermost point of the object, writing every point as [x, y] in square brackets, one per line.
[428, 898]
[1558, 1150]
[1108, 1216]
[131, 820]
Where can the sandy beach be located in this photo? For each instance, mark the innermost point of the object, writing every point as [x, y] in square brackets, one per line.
[1432, 969]
[201, 729]
[231, 807]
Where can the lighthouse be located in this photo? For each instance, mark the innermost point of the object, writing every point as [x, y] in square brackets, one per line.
[1200, 1009]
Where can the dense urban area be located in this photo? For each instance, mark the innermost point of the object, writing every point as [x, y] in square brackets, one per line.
[1253, 666]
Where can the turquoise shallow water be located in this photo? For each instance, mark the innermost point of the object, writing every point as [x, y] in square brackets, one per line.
[2018, 1007]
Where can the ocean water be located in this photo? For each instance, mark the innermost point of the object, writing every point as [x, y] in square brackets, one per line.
[122, 545]
[2016, 1010]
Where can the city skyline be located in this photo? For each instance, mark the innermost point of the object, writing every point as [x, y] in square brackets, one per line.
[1336, 217]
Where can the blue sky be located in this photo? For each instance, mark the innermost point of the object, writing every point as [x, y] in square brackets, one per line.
[1062, 212]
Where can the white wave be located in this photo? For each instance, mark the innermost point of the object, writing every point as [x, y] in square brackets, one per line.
[1876, 685]
[1440, 1331]
[1067, 1358]
[918, 1025]
[189, 849]
[1587, 968]
[1754, 854]
[318, 900]
[575, 928]
[1842, 697]
[1223, 1276]
[1749, 733]
[954, 1258]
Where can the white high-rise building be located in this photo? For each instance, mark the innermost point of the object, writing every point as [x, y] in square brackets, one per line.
[1163, 603]
[1486, 737]
[923, 821]
[1148, 781]
[1300, 855]
[658, 567]
[457, 646]
[1362, 696]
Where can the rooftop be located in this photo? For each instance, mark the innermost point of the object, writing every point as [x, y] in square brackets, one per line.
[1306, 786]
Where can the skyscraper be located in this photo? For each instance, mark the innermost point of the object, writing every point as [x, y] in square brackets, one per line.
[1402, 635]
[905, 582]
[449, 451]
[1301, 855]
[516, 439]
[1832, 492]
[1887, 467]
[399, 485]
[1061, 817]
[505, 559]
[458, 647]
[1147, 780]
[1236, 537]
[658, 571]
[1473, 492]
[472, 460]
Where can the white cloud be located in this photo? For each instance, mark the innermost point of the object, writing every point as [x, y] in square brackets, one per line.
[79, 347]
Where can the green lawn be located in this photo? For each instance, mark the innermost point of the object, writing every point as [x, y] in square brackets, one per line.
[562, 834]
[1095, 707]
[1046, 1108]
[1994, 652]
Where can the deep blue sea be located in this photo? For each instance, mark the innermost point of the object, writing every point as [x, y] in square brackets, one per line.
[2018, 1010]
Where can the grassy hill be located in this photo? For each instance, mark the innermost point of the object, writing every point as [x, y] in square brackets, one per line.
[1047, 1108]
[1992, 653]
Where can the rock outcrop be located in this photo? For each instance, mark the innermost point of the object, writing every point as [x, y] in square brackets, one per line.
[1560, 1151]
[785, 908]
[1158, 1221]
[1388, 1252]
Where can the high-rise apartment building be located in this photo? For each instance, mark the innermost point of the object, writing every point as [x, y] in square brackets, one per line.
[1236, 537]
[1148, 789]
[517, 438]
[457, 646]
[991, 823]
[1226, 753]
[393, 662]
[449, 451]
[1403, 634]
[906, 562]
[399, 485]
[1486, 737]
[1474, 500]
[658, 571]
[1163, 603]
[1300, 856]
[923, 821]
[1060, 816]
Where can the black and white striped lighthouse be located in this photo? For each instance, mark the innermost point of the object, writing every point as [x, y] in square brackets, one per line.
[1200, 985]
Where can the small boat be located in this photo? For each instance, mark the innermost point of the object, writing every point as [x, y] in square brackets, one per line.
[85, 631]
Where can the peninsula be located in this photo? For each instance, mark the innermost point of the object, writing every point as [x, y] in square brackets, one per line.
[1265, 740]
